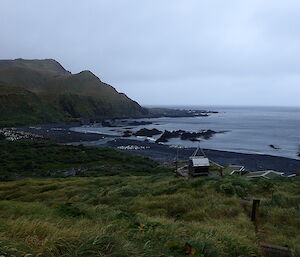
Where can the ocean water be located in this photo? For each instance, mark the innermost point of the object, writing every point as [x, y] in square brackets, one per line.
[249, 129]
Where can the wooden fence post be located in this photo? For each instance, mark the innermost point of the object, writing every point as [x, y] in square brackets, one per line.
[255, 206]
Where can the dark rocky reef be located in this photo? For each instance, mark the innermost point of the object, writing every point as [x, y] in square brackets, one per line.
[127, 133]
[121, 123]
[185, 135]
[148, 132]
[274, 147]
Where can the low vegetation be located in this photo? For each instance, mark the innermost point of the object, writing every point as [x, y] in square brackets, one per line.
[20, 107]
[140, 209]
[31, 159]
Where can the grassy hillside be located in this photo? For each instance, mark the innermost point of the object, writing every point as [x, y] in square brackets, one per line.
[31, 159]
[69, 95]
[137, 208]
[19, 106]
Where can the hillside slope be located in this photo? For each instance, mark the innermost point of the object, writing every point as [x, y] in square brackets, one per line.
[67, 95]
[19, 106]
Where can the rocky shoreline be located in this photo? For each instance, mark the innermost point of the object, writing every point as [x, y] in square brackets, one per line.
[61, 133]
[115, 121]
[58, 133]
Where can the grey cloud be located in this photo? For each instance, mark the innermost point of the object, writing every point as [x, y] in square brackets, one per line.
[168, 52]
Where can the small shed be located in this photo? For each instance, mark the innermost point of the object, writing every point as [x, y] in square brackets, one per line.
[198, 166]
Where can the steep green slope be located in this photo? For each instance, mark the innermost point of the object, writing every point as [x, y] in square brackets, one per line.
[30, 74]
[65, 95]
[19, 106]
[85, 95]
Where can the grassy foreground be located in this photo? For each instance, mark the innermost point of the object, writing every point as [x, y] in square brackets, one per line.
[145, 214]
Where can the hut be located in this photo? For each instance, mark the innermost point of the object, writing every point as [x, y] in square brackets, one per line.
[198, 164]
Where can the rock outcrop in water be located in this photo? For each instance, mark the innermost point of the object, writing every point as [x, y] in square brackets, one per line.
[148, 132]
[185, 135]
[274, 147]
[127, 133]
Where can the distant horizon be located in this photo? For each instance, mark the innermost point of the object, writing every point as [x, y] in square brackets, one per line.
[210, 105]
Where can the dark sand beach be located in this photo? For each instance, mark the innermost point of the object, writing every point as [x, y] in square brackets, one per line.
[60, 133]
[252, 162]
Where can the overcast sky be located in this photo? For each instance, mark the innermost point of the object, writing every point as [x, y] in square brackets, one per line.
[191, 52]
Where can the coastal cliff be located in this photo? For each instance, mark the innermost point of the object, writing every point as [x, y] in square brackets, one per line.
[44, 91]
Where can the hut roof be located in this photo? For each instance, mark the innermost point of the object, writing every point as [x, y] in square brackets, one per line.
[199, 161]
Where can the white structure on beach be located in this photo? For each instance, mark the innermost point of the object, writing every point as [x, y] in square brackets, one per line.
[268, 174]
[235, 170]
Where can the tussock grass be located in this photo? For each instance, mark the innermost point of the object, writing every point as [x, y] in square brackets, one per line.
[145, 215]
[129, 206]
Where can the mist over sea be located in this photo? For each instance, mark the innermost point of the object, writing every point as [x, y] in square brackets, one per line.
[249, 129]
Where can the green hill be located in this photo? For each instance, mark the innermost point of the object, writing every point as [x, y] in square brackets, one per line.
[19, 106]
[116, 204]
[53, 94]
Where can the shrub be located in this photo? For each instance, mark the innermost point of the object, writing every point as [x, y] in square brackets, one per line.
[227, 188]
[282, 200]
[126, 191]
[70, 210]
